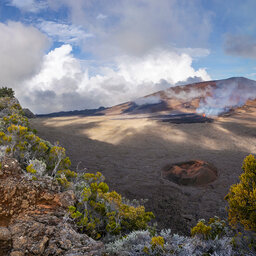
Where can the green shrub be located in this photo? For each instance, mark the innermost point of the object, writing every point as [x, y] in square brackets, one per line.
[101, 213]
[215, 228]
[6, 92]
[242, 197]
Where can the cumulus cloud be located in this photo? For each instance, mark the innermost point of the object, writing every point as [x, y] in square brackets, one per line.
[21, 51]
[240, 45]
[29, 5]
[65, 33]
[65, 83]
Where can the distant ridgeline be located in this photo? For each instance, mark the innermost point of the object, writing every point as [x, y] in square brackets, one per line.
[85, 112]
[124, 226]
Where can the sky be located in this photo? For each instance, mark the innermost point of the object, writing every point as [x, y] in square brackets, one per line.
[61, 55]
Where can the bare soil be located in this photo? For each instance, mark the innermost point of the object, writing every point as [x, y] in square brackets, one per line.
[131, 153]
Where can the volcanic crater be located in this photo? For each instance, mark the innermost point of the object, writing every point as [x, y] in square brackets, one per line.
[190, 173]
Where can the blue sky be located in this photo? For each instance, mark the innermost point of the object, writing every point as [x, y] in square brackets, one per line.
[87, 53]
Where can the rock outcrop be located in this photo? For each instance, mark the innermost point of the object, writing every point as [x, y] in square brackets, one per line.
[28, 113]
[33, 218]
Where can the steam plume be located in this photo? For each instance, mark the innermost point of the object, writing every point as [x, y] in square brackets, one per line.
[229, 93]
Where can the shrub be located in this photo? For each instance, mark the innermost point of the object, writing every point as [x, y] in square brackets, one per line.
[242, 197]
[36, 167]
[101, 213]
[216, 228]
[23, 144]
[142, 243]
[15, 119]
[6, 92]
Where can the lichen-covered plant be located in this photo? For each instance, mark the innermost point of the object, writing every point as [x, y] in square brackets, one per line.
[143, 243]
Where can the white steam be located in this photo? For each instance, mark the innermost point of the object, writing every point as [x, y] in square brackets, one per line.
[228, 94]
[148, 100]
[188, 94]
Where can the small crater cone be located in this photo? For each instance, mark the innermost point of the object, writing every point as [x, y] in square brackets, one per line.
[191, 173]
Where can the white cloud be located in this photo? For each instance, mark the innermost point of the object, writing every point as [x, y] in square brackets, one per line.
[62, 83]
[101, 16]
[29, 5]
[147, 100]
[66, 33]
[21, 51]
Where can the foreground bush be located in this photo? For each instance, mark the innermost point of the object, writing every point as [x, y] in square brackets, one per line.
[6, 92]
[143, 243]
[215, 228]
[101, 213]
[242, 197]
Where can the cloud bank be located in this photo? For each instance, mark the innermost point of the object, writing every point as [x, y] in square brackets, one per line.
[66, 83]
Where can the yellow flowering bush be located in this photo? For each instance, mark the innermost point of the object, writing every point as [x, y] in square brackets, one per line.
[242, 197]
[214, 228]
[101, 213]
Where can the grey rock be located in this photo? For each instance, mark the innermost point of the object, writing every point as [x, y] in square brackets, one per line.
[28, 113]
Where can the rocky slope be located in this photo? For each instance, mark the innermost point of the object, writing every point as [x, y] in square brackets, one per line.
[33, 217]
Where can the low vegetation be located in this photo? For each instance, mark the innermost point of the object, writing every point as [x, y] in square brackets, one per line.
[6, 92]
[125, 226]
